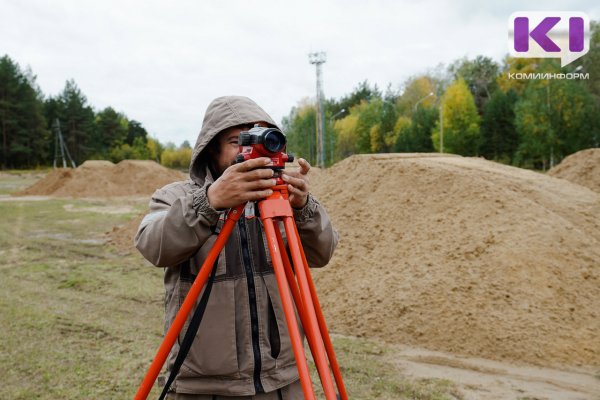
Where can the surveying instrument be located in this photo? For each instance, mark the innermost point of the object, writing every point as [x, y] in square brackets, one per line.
[296, 283]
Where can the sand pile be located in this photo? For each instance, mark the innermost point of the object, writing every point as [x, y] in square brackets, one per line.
[464, 255]
[582, 168]
[122, 236]
[460, 254]
[105, 179]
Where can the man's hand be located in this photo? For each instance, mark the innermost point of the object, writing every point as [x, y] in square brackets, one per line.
[241, 183]
[298, 185]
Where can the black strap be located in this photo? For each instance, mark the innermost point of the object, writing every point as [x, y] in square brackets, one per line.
[190, 334]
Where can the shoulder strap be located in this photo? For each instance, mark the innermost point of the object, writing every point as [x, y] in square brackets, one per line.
[190, 334]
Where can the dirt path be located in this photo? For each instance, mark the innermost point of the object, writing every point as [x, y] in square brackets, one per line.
[481, 379]
[5, 197]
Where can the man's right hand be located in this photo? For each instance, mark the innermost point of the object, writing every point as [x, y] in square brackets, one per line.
[240, 183]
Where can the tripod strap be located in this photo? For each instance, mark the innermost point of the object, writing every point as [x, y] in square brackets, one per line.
[190, 334]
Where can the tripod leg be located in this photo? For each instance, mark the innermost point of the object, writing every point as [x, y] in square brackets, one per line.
[187, 306]
[312, 329]
[304, 318]
[293, 286]
[323, 328]
[288, 308]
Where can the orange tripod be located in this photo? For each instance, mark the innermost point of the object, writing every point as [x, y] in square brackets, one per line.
[274, 210]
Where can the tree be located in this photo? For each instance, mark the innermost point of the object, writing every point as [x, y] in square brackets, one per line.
[154, 148]
[177, 158]
[460, 121]
[416, 89]
[499, 135]
[362, 92]
[76, 121]
[520, 65]
[591, 61]
[25, 139]
[135, 130]
[480, 75]
[404, 141]
[300, 127]
[369, 115]
[376, 123]
[346, 135]
[112, 126]
[414, 134]
[554, 119]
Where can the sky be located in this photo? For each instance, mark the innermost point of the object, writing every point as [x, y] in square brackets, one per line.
[163, 62]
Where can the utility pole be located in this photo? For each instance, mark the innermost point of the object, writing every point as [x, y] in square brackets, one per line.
[441, 127]
[60, 145]
[319, 58]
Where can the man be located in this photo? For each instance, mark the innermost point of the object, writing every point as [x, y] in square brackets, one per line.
[242, 349]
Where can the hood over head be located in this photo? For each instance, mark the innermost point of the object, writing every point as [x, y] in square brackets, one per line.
[222, 113]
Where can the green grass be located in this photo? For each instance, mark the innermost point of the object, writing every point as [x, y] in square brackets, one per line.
[81, 320]
[15, 180]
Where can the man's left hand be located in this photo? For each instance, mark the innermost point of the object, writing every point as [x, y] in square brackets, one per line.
[298, 185]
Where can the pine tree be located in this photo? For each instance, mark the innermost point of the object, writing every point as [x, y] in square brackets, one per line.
[500, 138]
[76, 121]
[25, 140]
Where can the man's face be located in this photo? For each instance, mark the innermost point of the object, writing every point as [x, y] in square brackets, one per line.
[228, 147]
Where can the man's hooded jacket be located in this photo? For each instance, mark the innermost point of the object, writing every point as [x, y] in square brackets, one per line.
[242, 346]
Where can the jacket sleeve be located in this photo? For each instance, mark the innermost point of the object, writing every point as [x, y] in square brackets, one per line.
[178, 224]
[318, 236]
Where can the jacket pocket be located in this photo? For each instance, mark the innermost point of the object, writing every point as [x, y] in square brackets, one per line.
[214, 351]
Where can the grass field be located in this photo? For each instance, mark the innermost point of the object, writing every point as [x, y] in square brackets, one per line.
[82, 321]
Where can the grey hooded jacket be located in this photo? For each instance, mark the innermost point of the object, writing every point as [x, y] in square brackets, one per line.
[242, 346]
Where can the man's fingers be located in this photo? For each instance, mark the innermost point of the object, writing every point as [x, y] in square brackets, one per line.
[299, 183]
[260, 173]
[295, 190]
[253, 164]
[304, 166]
[258, 194]
[261, 184]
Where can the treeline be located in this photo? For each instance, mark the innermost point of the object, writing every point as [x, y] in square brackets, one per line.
[28, 123]
[472, 107]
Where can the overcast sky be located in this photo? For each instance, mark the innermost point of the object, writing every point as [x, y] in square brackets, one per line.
[162, 62]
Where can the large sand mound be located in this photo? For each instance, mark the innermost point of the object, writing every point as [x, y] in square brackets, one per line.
[464, 255]
[582, 168]
[105, 179]
[460, 254]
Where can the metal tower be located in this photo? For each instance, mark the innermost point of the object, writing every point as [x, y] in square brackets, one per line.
[60, 146]
[318, 59]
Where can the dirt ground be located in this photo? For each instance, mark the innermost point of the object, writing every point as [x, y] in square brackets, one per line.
[468, 270]
[478, 378]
